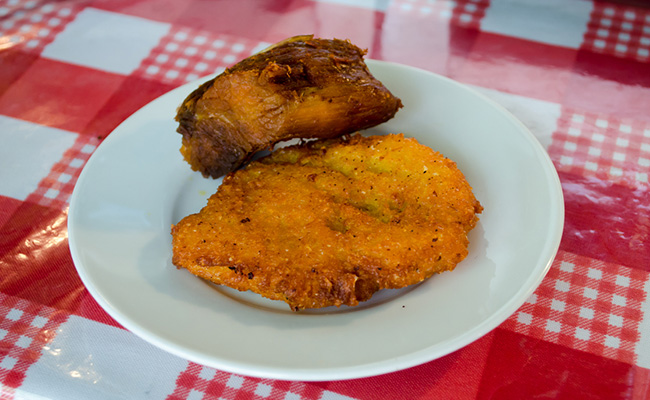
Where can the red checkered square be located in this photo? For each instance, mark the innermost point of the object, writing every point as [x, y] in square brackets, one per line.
[198, 381]
[521, 367]
[48, 275]
[457, 376]
[435, 44]
[14, 62]
[606, 147]
[619, 30]
[25, 328]
[69, 101]
[606, 221]
[185, 54]
[525, 68]
[134, 93]
[31, 24]
[56, 188]
[465, 13]
[586, 305]
[8, 206]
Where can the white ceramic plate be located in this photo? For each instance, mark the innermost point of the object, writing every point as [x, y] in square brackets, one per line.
[136, 185]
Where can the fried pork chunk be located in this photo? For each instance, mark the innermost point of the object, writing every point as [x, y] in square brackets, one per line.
[331, 222]
[301, 87]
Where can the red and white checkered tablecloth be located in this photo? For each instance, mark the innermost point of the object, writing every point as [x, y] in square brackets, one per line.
[577, 73]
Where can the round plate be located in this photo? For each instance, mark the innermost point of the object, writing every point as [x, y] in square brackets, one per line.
[136, 185]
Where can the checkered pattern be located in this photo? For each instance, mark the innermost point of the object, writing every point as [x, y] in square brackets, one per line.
[574, 72]
[468, 13]
[25, 330]
[185, 54]
[31, 25]
[465, 13]
[603, 146]
[620, 31]
[587, 305]
[56, 188]
[198, 382]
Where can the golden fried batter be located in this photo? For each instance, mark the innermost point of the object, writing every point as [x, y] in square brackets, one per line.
[302, 87]
[330, 222]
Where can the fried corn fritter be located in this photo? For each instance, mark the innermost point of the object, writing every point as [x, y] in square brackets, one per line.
[302, 87]
[330, 222]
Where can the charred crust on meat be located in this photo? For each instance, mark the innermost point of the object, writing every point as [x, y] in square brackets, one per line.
[302, 87]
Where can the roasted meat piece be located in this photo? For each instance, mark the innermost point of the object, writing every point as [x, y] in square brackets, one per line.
[330, 222]
[301, 87]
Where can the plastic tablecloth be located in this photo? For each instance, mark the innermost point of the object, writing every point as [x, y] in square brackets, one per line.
[576, 73]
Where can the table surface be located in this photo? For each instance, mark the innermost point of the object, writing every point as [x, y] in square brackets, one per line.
[576, 73]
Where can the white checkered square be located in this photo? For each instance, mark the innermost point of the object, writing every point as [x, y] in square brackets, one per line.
[31, 150]
[123, 358]
[555, 22]
[106, 41]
